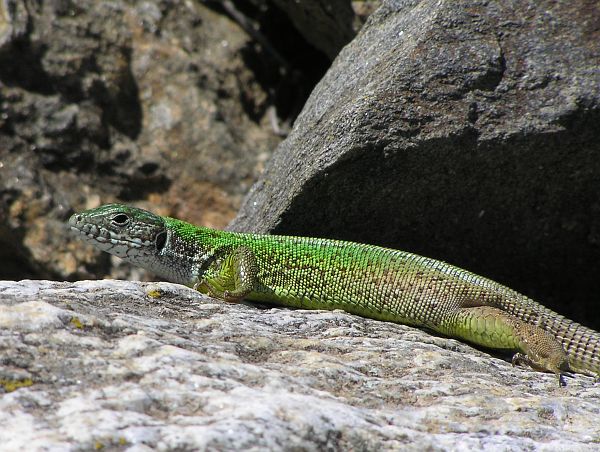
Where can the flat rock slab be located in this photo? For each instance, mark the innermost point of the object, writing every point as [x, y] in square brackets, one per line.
[141, 366]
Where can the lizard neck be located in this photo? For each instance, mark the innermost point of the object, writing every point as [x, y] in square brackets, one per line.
[187, 252]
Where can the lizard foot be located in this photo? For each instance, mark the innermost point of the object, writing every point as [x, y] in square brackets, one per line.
[209, 289]
[519, 359]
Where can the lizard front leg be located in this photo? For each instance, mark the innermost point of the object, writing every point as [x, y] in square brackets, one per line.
[232, 277]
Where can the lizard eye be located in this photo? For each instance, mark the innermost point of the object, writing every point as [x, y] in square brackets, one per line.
[120, 219]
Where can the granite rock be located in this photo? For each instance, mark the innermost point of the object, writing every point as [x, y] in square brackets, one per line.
[157, 366]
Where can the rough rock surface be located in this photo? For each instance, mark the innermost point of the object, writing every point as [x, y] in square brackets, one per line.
[147, 366]
[168, 104]
[467, 131]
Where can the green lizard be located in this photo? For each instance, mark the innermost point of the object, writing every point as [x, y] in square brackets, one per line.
[367, 280]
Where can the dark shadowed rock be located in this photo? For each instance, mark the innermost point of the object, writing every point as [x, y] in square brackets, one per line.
[467, 131]
[117, 365]
[326, 24]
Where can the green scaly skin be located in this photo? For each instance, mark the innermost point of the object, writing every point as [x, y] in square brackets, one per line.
[367, 280]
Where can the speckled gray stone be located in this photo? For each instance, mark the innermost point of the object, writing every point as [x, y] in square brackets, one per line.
[157, 366]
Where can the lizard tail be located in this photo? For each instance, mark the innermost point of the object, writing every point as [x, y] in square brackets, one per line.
[581, 344]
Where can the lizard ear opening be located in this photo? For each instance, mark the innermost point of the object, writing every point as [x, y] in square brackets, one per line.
[161, 240]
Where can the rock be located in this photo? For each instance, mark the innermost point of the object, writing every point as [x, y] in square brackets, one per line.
[144, 366]
[466, 131]
[328, 25]
[169, 105]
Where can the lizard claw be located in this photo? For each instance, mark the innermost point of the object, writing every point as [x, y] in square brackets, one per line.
[519, 359]
[561, 380]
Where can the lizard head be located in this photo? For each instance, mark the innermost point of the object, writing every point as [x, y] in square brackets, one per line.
[127, 232]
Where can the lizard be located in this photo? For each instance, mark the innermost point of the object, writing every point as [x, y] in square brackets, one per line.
[367, 280]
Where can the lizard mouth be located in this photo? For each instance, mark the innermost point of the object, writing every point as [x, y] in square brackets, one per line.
[88, 231]
[107, 240]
